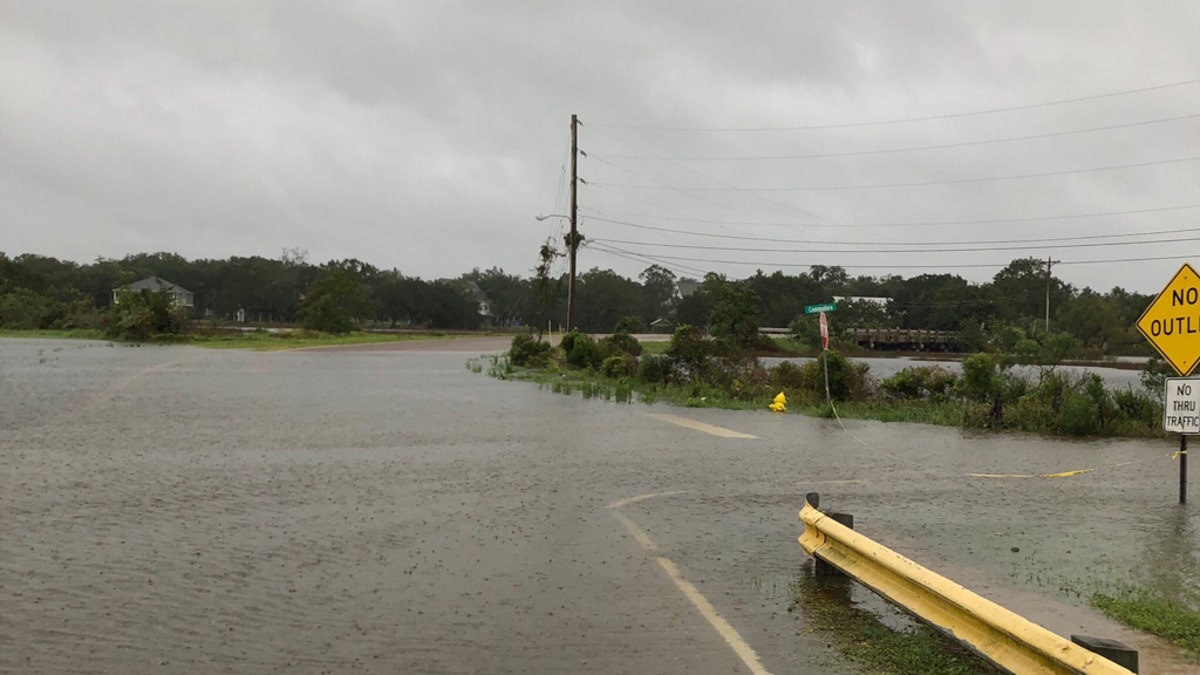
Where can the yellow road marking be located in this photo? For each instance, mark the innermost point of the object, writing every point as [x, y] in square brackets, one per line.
[700, 426]
[1061, 474]
[727, 632]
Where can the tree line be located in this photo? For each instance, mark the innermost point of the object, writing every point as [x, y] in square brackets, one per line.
[44, 292]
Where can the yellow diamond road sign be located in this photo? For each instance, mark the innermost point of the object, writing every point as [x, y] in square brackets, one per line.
[1172, 322]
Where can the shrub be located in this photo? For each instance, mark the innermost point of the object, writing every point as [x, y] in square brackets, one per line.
[789, 377]
[1078, 415]
[753, 381]
[619, 366]
[567, 343]
[630, 324]
[979, 381]
[653, 370]
[623, 343]
[1137, 407]
[526, 351]
[848, 381]
[924, 382]
[689, 349]
[145, 315]
[583, 352]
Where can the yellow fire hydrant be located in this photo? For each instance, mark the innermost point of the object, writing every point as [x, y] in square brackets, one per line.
[780, 403]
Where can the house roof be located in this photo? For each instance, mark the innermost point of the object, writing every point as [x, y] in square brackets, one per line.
[686, 287]
[154, 285]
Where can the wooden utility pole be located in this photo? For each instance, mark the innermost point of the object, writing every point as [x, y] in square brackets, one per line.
[573, 242]
[1049, 263]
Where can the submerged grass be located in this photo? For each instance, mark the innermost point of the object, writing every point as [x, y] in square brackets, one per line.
[72, 334]
[863, 637]
[1145, 610]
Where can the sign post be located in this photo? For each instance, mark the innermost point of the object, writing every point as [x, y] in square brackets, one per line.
[1172, 325]
[825, 355]
[1181, 415]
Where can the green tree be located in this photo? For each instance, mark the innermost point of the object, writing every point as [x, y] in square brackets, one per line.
[336, 302]
[734, 318]
[658, 293]
[603, 297]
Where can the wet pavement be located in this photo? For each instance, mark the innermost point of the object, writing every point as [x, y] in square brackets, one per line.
[180, 510]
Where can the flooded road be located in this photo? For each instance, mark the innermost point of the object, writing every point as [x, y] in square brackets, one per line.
[178, 510]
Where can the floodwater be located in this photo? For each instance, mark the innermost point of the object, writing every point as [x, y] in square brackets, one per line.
[180, 510]
[882, 368]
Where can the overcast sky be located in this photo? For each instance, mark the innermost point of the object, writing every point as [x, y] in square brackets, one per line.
[427, 135]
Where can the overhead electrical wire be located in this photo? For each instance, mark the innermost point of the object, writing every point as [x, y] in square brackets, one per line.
[914, 223]
[999, 265]
[747, 249]
[923, 118]
[790, 207]
[892, 243]
[629, 255]
[645, 177]
[884, 151]
[868, 186]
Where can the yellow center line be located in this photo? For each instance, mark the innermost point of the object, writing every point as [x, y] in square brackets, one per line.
[700, 426]
[1061, 474]
[727, 632]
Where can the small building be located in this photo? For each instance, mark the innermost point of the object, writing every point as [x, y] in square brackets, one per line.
[661, 325]
[180, 296]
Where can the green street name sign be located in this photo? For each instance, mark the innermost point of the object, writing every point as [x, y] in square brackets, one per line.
[817, 309]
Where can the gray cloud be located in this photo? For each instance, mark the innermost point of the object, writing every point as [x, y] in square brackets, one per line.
[426, 136]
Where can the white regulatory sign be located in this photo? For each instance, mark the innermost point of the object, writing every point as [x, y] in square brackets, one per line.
[1181, 412]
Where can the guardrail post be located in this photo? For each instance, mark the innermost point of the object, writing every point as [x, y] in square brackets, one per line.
[1117, 652]
[822, 568]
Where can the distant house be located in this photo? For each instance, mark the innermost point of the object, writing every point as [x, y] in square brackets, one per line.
[180, 296]
[685, 287]
[481, 298]
[661, 325]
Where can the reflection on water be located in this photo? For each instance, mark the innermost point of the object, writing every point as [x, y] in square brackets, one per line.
[1172, 567]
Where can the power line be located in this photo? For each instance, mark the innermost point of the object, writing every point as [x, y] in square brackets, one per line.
[913, 148]
[889, 243]
[629, 255]
[925, 118]
[915, 223]
[683, 216]
[761, 264]
[956, 181]
[714, 179]
[746, 249]
[664, 185]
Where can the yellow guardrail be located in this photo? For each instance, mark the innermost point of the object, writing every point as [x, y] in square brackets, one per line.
[1006, 639]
